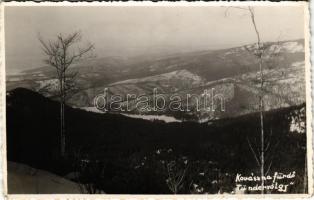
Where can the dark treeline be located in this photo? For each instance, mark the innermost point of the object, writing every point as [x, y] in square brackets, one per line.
[125, 155]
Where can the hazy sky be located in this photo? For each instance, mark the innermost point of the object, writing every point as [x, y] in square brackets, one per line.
[132, 31]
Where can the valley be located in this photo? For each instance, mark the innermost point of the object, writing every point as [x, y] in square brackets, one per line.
[232, 73]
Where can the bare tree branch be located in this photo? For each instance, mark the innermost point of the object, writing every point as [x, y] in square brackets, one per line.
[269, 166]
[253, 152]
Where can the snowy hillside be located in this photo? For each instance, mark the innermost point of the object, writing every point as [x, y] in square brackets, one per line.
[231, 72]
[23, 179]
[180, 75]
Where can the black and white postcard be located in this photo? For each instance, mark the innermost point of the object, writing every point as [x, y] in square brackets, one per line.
[152, 99]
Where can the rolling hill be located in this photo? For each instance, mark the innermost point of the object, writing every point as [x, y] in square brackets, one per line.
[230, 72]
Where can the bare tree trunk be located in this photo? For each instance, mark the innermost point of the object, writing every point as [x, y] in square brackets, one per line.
[62, 117]
[62, 132]
[261, 106]
[261, 117]
[262, 141]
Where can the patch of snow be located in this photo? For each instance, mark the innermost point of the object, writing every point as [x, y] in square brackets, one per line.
[200, 190]
[178, 74]
[203, 120]
[228, 53]
[164, 118]
[297, 123]
[293, 47]
[39, 75]
[275, 48]
[14, 78]
[50, 84]
[298, 64]
[91, 109]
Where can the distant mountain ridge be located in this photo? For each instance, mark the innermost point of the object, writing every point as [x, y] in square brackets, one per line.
[231, 72]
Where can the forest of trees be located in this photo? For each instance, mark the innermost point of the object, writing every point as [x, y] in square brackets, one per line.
[117, 154]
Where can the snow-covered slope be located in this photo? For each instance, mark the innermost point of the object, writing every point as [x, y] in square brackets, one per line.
[231, 71]
[180, 75]
[50, 85]
[284, 87]
[23, 179]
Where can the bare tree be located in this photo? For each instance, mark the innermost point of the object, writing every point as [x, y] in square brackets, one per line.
[61, 54]
[260, 50]
[267, 57]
